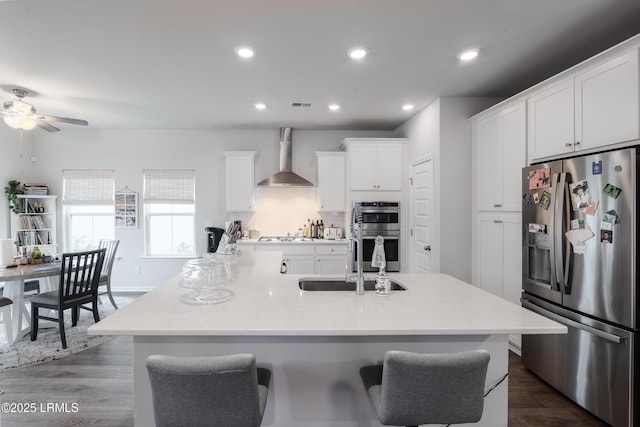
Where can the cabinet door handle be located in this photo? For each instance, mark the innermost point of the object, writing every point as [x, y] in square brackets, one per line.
[568, 144]
[577, 143]
[497, 221]
[497, 205]
[283, 268]
[427, 248]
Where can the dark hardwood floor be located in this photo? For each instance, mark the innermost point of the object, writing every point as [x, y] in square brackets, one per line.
[99, 382]
[534, 403]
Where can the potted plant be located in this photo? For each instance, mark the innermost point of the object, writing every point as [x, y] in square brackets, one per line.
[12, 190]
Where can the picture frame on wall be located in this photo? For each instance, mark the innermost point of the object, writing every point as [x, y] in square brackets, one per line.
[126, 209]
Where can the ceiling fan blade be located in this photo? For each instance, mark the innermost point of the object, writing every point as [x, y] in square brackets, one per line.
[46, 126]
[65, 120]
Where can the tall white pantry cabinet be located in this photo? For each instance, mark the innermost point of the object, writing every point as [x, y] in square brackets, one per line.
[499, 153]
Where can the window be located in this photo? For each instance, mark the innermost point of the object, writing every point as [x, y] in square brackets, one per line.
[169, 212]
[87, 199]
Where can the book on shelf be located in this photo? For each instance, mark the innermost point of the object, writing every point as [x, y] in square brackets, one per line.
[36, 189]
[32, 223]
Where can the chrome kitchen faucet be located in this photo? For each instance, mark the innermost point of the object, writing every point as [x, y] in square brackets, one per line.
[356, 236]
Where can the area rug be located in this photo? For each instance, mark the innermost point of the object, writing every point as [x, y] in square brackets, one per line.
[48, 346]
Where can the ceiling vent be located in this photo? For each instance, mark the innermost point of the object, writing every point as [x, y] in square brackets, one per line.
[301, 105]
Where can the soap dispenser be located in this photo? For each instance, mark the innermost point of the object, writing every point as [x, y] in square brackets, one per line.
[383, 284]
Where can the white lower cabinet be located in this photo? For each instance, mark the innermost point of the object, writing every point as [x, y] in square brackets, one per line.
[318, 258]
[499, 249]
[297, 264]
[331, 259]
[498, 258]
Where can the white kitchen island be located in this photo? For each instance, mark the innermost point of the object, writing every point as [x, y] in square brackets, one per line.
[315, 342]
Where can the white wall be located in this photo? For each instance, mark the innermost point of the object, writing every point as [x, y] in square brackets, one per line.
[128, 152]
[442, 131]
[15, 151]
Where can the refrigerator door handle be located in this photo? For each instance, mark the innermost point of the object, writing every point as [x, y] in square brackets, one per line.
[558, 226]
[568, 322]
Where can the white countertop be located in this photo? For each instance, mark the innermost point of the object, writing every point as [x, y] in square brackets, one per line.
[268, 303]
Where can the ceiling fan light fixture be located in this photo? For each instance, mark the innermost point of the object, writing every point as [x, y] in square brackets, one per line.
[20, 122]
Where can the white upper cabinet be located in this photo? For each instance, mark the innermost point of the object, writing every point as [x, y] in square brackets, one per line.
[551, 120]
[500, 154]
[594, 108]
[240, 181]
[332, 185]
[607, 103]
[375, 166]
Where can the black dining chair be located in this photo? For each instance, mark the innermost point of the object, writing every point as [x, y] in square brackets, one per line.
[79, 276]
[105, 275]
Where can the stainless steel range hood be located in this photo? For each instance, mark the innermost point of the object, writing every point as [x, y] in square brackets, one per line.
[285, 177]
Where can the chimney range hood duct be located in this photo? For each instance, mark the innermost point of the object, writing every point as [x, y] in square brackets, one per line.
[285, 178]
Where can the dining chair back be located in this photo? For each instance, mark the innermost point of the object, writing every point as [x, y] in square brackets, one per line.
[78, 285]
[105, 275]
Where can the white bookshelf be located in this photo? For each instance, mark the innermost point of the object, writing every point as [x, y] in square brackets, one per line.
[35, 225]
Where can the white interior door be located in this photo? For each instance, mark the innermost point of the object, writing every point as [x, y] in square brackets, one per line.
[421, 238]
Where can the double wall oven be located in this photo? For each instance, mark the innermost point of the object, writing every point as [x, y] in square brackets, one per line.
[379, 219]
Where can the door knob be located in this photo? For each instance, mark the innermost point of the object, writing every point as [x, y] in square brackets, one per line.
[427, 248]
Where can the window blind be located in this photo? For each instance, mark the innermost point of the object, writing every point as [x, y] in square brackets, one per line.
[88, 186]
[169, 186]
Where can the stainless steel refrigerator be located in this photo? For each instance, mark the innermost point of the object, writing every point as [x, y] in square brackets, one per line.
[579, 268]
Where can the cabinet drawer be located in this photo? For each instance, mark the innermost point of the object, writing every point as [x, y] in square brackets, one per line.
[328, 249]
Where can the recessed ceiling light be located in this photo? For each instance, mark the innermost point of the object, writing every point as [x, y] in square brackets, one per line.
[468, 55]
[334, 107]
[358, 53]
[260, 106]
[244, 52]
[408, 107]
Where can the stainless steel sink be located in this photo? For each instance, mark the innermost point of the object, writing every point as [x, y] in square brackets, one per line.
[320, 284]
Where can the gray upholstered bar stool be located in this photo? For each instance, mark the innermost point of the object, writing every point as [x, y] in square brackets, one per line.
[214, 391]
[410, 389]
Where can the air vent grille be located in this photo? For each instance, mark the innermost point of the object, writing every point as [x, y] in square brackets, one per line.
[301, 105]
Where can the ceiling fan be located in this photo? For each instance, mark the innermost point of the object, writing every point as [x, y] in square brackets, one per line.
[20, 115]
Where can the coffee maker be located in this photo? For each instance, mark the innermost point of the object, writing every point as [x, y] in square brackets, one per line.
[214, 234]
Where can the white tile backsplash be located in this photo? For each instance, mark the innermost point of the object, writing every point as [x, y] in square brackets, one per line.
[283, 210]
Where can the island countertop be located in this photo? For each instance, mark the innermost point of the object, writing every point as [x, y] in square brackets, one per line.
[268, 303]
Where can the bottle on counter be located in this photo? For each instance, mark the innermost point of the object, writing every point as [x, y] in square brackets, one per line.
[307, 232]
[314, 229]
[321, 230]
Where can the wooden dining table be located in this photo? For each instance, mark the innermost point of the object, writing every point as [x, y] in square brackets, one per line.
[13, 278]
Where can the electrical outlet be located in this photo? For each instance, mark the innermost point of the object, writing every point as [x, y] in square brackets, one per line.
[137, 269]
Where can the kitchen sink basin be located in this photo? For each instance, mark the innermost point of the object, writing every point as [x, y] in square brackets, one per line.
[341, 285]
